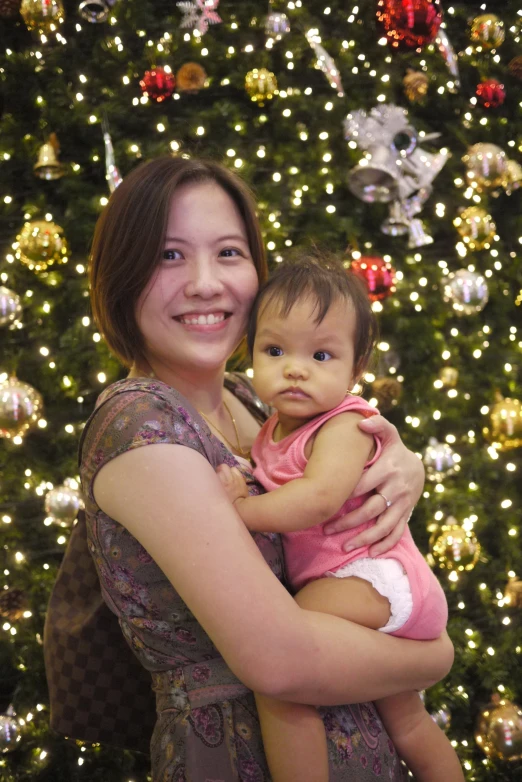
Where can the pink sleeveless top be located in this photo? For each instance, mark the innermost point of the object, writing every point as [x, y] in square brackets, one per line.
[309, 553]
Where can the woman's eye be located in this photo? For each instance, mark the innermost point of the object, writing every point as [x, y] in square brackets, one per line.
[322, 355]
[274, 351]
[229, 252]
[172, 255]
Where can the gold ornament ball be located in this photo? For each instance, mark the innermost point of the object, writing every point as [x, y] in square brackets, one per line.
[486, 164]
[20, 407]
[261, 84]
[449, 376]
[488, 31]
[505, 427]
[513, 593]
[42, 244]
[415, 85]
[387, 391]
[453, 548]
[513, 178]
[44, 16]
[476, 227]
[499, 730]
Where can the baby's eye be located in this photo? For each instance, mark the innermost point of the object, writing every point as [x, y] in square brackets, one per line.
[172, 255]
[322, 355]
[273, 350]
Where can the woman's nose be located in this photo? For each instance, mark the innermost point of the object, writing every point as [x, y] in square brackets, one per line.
[204, 281]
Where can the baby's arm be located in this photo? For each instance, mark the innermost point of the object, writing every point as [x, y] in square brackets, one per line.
[339, 453]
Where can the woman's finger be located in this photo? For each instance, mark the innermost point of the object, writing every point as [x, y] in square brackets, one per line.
[378, 424]
[375, 476]
[371, 509]
[382, 536]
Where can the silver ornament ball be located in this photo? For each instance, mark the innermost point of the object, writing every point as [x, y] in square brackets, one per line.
[439, 460]
[466, 291]
[9, 732]
[20, 407]
[10, 306]
[277, 24]
[63, 503]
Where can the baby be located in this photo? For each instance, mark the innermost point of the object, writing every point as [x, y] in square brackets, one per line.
[311, 335]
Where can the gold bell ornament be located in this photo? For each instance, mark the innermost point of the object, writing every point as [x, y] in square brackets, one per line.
[44, 16]
[42, 244]
[499, 729]
[454, 548]
[505, 428]
[48, 166]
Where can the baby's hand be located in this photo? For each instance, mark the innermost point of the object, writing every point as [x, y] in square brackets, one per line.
[233, 482]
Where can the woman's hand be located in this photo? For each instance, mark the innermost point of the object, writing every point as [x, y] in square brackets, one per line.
[397, 476]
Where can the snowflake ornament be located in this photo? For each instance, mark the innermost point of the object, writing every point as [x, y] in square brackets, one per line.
[198, 14]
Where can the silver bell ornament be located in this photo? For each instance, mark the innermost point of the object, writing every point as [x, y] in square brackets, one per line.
[466, 291]
[277, 24]
[439, 460]
[395, 166]
[10, 306]
[9, 731]
[63, 503]
[20, 407]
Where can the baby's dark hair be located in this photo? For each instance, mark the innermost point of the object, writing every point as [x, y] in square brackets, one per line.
[321, 277]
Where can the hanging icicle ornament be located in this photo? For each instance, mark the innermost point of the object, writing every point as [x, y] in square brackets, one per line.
[112, 175]
[446, 49]
[199, 14]
[395, 169]
[325, 63]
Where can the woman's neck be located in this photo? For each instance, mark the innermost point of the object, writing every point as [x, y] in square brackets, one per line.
[204, 390]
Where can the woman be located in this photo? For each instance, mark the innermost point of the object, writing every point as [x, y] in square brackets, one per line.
[176, 262]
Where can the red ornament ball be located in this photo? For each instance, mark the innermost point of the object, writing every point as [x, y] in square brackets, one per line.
[491, 93]
[409, 24]
[378, 274]
[158, 84]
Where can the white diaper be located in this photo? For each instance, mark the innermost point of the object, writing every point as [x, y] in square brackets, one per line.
[387, 576]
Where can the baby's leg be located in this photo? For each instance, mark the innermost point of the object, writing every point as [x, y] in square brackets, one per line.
[294, 741]
[293, 734]
[419, 741]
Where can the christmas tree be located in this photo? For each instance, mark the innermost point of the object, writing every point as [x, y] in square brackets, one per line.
[327, 110]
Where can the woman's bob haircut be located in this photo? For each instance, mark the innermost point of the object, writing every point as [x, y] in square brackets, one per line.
[129, 238]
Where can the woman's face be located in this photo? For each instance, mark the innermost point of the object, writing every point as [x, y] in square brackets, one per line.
[193, 312]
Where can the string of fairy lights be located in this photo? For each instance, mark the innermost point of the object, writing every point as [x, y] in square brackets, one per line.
[412, 295]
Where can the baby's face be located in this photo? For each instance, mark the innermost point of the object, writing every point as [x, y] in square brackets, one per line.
[300, 367]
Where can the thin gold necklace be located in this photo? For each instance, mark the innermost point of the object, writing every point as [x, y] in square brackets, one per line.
[237, 447]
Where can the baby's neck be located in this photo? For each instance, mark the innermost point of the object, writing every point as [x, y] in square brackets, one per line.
[287, 425]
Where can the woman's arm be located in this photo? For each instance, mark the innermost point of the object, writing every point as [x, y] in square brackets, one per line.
[170, 499]
[340, 451]
[399, 475]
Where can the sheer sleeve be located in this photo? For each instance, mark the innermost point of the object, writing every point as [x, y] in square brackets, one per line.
[134, 413]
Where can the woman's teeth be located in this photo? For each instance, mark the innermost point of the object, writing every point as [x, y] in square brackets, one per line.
[203, 320]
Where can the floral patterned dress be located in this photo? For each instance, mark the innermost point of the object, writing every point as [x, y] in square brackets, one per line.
[207, 728]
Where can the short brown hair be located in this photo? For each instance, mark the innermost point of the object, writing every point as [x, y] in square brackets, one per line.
[323, 277]
[129, 238]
